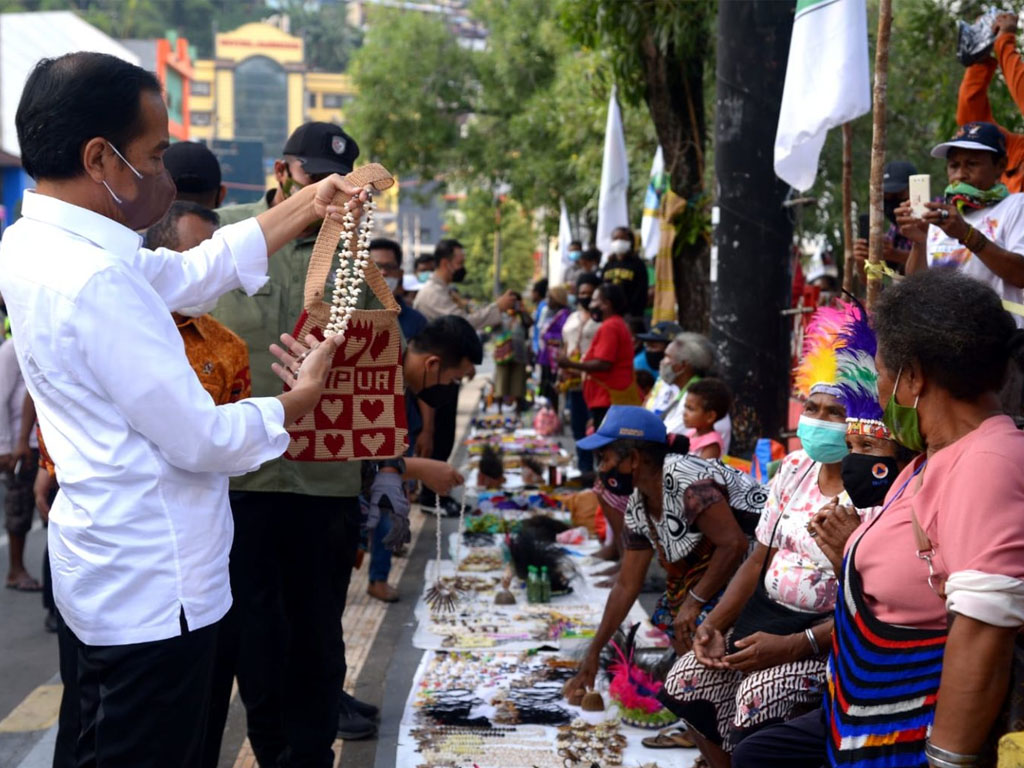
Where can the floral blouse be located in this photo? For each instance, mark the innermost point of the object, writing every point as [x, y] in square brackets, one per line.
[800, 576]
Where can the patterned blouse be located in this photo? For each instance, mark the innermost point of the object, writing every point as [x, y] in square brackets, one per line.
[800, 576]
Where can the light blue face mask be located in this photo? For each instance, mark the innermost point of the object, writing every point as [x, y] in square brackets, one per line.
[575, 255]
[824, 441]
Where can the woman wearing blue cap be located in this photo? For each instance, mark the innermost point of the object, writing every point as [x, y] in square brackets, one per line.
[681, 507]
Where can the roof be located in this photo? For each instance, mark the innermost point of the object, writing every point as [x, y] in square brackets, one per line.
[25, 38]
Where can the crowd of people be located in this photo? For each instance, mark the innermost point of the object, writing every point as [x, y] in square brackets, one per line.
[860, 607]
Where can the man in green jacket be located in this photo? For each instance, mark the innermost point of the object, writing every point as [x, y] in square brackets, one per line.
[297, 524]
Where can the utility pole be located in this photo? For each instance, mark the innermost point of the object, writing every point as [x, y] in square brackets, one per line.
[750, 260]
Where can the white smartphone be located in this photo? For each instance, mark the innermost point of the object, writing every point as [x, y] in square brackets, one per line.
[920, 193]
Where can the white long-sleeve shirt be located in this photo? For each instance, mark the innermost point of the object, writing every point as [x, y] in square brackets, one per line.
[141, 528]
[12, 400]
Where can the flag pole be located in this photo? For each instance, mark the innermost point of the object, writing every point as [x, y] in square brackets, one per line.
[873, 270]
[848, 259]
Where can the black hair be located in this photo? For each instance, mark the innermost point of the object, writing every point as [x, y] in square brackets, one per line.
[541, 287]
[575, 242]
[588, 278]
[953, 326]
[714, 395]
[164, 234]
[491, 464]
[445, 249]
[615, 296]
[69, 100]
[591, 254]
[637, 325]
[386, 244]
[451, 338]
[627, 231]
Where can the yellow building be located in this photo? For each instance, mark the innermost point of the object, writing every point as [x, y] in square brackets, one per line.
[257, 88]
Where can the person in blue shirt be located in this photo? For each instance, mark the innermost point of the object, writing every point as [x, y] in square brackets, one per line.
[655, 342]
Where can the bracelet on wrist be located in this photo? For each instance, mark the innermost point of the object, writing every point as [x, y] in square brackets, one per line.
[697, 598]
[809, 634]
[943, 758]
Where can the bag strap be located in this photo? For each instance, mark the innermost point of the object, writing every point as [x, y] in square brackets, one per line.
[926, 552]
[327, 244]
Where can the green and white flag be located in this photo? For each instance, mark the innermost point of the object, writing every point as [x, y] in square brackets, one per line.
[828, 83]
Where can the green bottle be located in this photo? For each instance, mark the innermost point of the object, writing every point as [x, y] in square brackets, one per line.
[532, 585]
[545, 585]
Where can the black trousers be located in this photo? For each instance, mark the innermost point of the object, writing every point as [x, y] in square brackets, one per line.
[797, 743]
[138, 706]
[291, 563]
[445, 416]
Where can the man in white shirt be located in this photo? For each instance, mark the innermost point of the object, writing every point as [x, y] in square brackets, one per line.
[140, 531]
[688, 359]
[979, 228]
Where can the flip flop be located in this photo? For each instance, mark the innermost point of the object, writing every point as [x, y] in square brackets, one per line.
[25, 584]
[669, 738]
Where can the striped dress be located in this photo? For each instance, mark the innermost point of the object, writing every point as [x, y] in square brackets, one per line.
[883, 682]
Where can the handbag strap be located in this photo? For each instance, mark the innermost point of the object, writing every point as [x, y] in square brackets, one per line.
[768, 556]
[327, 244]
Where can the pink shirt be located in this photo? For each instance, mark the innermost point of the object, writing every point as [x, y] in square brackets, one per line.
[699, 442]
[969, 500]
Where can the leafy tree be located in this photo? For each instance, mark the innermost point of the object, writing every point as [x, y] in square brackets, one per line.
[658, 50]
[474, 224]
[329, 38]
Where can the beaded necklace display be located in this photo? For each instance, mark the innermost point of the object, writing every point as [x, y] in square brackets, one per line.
[348, 277]
[445, 594]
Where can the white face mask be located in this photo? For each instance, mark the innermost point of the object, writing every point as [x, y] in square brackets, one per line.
[392, 283]
[199, 309]
[620, 247]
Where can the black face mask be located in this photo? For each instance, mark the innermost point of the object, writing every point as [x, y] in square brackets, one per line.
[654, 358]
[868, 478]
[597, 314]
[618, 483]
[459, 275]
[584, 301]
[435, 395]
[889, 208]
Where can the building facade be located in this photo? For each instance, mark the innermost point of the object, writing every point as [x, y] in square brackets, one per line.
[171, 59]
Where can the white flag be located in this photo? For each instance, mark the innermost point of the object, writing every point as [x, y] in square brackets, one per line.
[612, 208]
[557, 267]
[828, 83]
[650, 225]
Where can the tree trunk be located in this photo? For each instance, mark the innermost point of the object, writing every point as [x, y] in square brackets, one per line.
[674, 92]
[876, 214]
[751, 278]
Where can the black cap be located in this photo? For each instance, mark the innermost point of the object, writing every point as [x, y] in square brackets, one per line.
[322, 148]
[663, 331]
[985, 137]
[193, 167]
[896, 176]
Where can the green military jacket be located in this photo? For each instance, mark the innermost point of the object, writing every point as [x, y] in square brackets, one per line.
[260, 320]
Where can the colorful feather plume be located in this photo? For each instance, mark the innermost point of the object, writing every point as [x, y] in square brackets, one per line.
[635, 689]
[818, 366]
[857, 375]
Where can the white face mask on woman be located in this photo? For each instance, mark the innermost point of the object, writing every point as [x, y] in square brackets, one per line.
[620, 247]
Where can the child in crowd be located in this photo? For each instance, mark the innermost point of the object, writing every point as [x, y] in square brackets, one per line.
[707, 401]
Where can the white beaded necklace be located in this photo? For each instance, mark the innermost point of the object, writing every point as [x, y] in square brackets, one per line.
[348, 277]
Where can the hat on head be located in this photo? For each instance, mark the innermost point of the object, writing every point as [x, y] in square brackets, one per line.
[666, 330]
[818, 367]
[982, 136]
[625, 422]
[410, 283]
[896, 176]
[193, 167]
[322, 148]
[857, 376]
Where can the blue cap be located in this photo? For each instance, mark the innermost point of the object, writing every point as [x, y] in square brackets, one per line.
[978, 136]
[625, 422]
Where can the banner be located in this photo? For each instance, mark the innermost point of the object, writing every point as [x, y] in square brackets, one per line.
[650, 227]
[564, 238]
[612, 208]
[828, 83]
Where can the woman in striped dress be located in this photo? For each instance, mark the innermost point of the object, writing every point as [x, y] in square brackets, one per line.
[932, 593]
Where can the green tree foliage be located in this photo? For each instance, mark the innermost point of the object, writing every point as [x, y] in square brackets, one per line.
[474, 224]
[924, 77]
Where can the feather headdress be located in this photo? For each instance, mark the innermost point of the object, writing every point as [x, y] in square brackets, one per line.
[818, 371]
[858, 376]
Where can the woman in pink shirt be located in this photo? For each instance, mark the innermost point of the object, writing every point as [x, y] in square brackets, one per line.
[932, 594]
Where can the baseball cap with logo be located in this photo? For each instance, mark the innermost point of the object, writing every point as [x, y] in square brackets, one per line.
[322, 148]
[666, 330]
[626, 422]
[981, 136]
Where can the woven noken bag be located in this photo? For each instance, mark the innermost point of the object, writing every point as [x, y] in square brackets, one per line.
[361, 413]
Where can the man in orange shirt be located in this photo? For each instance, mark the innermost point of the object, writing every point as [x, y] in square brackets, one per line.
[973, 104]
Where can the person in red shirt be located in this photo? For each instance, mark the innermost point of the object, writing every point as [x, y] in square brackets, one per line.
[973, 104]
[608, 364]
